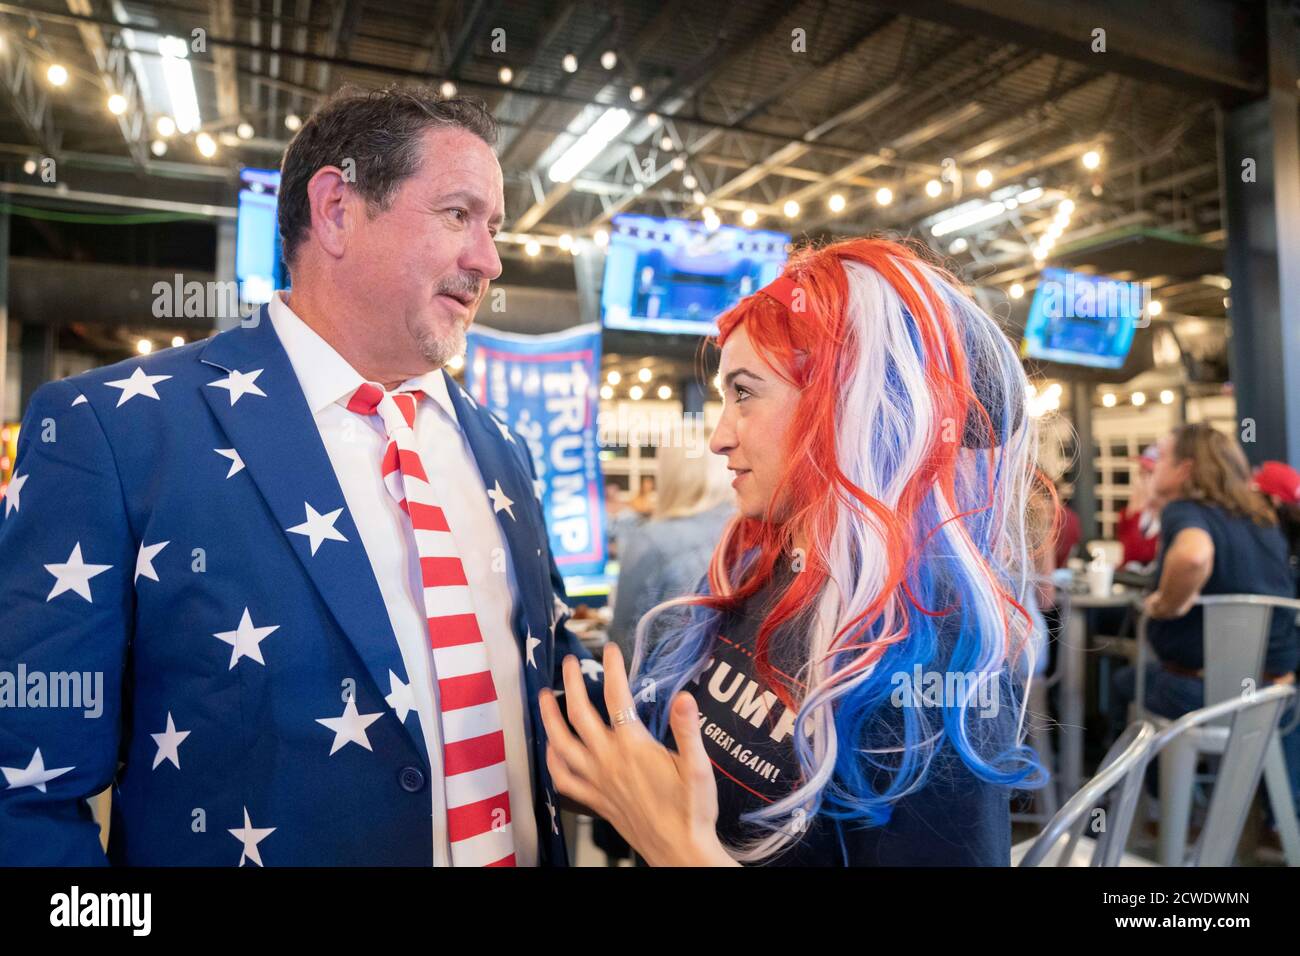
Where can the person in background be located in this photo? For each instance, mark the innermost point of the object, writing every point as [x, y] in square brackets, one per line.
[1069, 531]
[1281, 483]
[620, 518]
[1138, 528]
[644, 502]
[667, 556]
[1217, 536]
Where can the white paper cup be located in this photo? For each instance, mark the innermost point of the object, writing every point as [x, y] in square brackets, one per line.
[1100, 580]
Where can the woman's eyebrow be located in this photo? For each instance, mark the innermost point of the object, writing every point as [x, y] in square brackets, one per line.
[731, 376]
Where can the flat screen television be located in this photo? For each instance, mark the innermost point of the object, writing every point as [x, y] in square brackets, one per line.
[258, 268]
[1081, 319]
[677, 276]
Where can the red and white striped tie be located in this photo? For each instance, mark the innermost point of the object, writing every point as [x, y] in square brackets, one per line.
[473, 747]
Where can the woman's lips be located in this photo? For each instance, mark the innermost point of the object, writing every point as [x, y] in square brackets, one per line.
[741, 473]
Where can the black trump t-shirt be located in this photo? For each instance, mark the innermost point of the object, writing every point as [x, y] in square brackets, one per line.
[954, 819]
[1248, 559]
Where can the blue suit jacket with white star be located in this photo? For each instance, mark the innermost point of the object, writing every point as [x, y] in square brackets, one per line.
[109, 472]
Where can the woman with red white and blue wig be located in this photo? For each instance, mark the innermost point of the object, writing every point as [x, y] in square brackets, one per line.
[848, 687]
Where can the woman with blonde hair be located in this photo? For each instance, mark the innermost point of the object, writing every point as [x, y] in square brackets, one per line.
[854, 658]
[667, 556]
[1218, 535]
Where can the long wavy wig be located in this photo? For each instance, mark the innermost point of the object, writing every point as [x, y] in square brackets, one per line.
[910, 467]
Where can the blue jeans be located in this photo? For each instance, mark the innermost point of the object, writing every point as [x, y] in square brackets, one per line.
[1172, 695]
[1169, 695]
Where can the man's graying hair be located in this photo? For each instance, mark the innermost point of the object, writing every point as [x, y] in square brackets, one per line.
[381, 132]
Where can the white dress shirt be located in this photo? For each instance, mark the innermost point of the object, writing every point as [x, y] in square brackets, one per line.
[355, 445]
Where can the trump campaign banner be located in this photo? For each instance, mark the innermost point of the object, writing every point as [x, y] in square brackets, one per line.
[544, 387]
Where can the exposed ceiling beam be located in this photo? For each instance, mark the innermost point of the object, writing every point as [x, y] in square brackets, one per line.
[116, 76]
[29, 96]
[1199, 45]
[223, 60]
[557, 90]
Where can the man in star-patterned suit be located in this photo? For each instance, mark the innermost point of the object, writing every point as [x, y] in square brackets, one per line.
[312, 572]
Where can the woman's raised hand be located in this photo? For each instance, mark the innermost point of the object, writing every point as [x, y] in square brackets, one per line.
[664, 804]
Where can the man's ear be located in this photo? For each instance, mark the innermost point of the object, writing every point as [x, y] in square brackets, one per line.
[332, 203]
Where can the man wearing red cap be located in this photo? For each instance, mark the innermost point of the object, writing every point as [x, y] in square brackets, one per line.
[1281, 483]
[1138, 528]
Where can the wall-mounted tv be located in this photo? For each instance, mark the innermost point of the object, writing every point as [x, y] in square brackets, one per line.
[1081, 319]
[677, 276]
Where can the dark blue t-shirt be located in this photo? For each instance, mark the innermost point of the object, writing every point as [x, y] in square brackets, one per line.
[1248, 559]
[954, 819]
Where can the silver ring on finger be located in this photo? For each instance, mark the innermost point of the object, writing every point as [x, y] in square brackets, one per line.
[626, 716]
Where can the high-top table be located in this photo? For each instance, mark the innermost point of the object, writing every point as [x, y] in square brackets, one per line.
[1073, 669]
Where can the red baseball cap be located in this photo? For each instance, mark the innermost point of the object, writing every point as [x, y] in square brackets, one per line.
[1280, 479]
[1147, 460]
